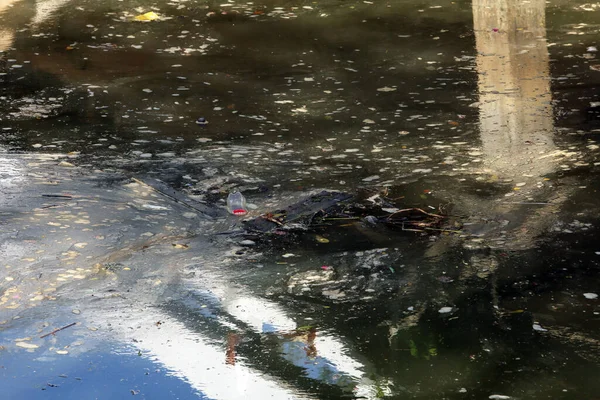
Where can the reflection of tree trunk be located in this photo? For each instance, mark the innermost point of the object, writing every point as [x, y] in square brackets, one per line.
[232, 341]
[515, 99]
[310, 348]
[42, 11]
[6, 39]
[516, 122]
[6, 36]
[45, 8]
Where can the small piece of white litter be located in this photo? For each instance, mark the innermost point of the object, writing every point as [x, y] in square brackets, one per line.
[371, 178]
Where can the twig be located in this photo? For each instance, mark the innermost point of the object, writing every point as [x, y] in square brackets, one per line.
[411, 230]
[231, 232]
[58, 330]
[397, 198]
[526, 203]
[272, 219]
[51, 206]
[60, 196]
[416, 209]
[442, 230]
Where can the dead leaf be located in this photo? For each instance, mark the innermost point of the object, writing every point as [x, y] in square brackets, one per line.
[149, 16]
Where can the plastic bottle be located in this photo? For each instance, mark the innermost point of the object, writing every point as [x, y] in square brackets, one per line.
[236, 203]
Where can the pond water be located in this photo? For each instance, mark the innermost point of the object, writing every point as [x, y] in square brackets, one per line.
[485, 111]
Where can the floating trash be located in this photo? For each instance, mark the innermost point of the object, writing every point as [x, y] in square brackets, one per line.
[236, 204]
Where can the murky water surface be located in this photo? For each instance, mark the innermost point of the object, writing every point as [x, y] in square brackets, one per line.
[114, 285]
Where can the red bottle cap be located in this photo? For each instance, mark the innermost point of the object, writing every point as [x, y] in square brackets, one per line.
[239, 211]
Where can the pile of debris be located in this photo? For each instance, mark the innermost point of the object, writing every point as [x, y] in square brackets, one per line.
[331, 209]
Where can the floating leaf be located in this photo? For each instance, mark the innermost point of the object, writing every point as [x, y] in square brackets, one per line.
[26, 345]
[321, 239]
[149, 16]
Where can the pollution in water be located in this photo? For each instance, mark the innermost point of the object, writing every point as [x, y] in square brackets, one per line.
[413, 199]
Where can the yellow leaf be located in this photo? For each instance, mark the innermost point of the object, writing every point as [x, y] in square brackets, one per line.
[321, 239]
[149, 16]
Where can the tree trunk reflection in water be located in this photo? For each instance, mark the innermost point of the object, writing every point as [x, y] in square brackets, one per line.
[34, 16]
[6, 36]
[514, 84]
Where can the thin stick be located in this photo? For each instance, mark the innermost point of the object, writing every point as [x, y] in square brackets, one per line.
[230, 232]
[415, 209]
[526, 203]
[58, 330]
[60, 196]
[412, 230]
[51, 206]
[271, 219]
[443, 230]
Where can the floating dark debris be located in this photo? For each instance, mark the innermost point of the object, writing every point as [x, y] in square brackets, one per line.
[327, 209]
